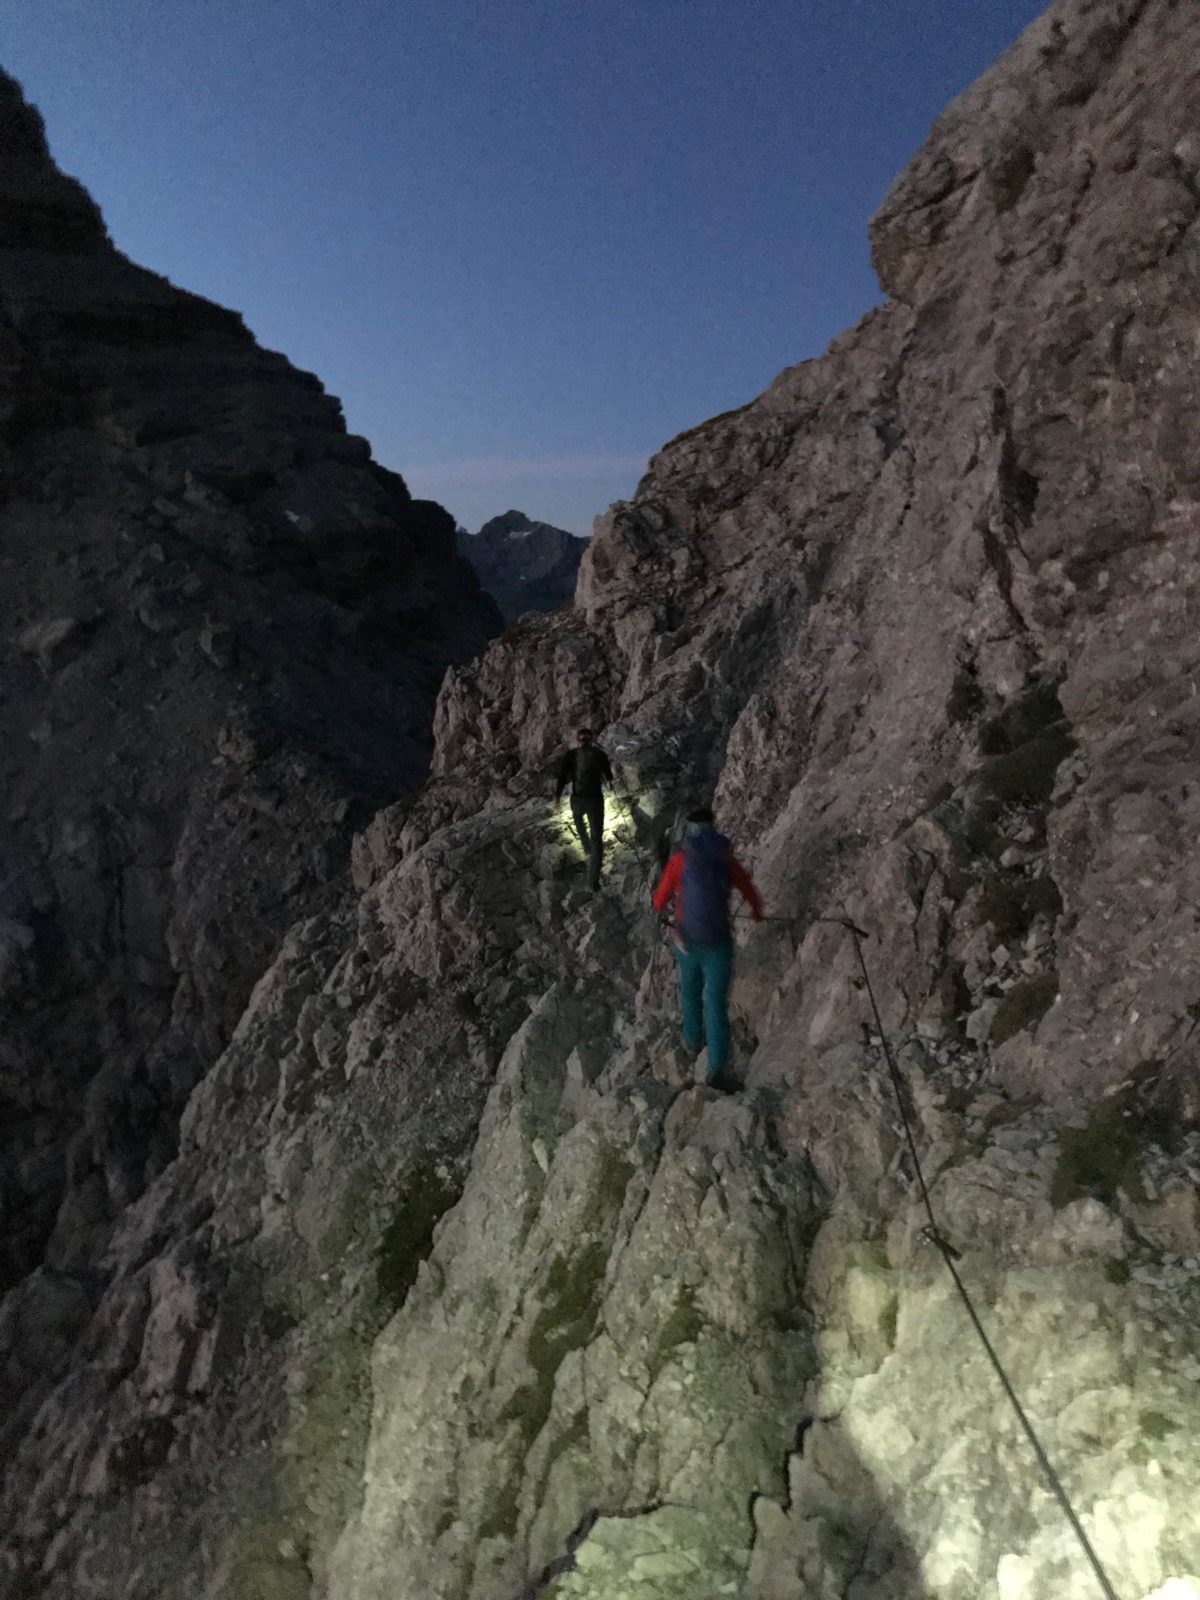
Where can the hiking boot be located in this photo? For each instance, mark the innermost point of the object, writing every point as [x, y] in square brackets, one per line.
[723, 1083]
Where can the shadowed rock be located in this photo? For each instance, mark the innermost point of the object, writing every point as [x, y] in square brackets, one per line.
[222, 629]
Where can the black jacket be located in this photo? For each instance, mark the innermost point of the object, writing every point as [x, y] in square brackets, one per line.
[587, 769]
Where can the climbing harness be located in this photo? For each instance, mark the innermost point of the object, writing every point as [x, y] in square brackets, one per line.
[934, 1235]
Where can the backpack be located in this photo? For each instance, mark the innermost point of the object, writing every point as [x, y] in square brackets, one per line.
[705, 919]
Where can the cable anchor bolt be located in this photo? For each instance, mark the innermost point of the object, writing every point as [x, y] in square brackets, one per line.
[939, 1242]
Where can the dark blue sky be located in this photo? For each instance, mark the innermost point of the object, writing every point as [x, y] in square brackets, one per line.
[526, 241]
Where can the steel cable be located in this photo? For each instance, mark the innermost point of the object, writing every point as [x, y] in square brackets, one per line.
[950, 1255]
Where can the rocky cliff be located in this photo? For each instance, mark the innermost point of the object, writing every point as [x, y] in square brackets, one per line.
[459, 1286]
[222, 629]
[524, 565]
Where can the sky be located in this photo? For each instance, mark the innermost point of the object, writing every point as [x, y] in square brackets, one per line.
[525, 241]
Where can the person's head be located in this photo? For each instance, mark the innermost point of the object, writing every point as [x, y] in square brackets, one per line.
[584, 736]
[701, 817]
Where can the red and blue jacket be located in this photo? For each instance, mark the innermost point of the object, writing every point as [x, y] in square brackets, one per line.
[670, 887]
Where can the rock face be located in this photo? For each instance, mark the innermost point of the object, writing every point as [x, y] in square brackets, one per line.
[524, 565]
[222, 629]
[459, 1287]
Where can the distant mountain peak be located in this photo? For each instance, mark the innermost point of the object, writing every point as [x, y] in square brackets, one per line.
[523, 564]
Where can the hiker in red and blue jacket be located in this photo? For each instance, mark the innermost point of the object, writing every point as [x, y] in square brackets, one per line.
[698, 878]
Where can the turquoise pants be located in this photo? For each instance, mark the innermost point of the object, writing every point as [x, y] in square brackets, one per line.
[704, 974]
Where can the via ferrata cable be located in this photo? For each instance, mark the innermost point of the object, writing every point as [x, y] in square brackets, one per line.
[950, 1256]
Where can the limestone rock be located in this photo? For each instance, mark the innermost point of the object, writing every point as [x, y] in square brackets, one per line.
[17, 940]
[151, 457]
[50, 641]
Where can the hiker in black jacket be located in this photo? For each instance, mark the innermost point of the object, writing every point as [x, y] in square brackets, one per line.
[587, 769]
